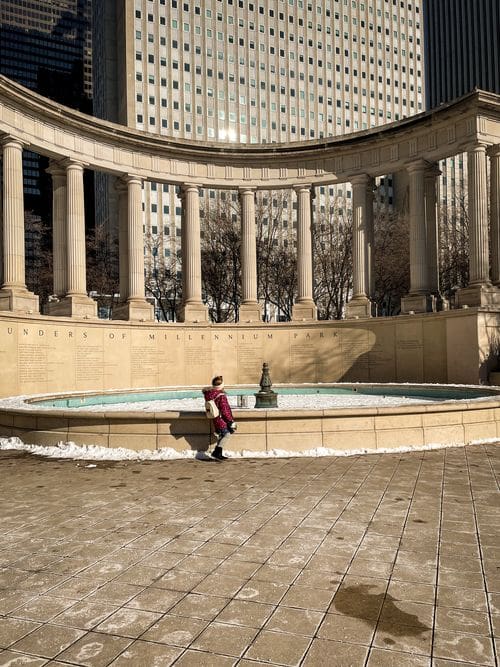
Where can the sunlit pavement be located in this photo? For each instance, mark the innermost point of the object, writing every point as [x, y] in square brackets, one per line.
[362, 561]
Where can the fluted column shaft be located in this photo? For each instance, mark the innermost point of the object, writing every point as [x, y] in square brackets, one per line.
[304, 245]
[13, 216]
[478, 216]
[248, 247]
[191, 246]
[360, 232]
[495, 213]
[59, 241]
[123, 259]
[431, 224]
[135, 240]
[419, 274]
[77, 278]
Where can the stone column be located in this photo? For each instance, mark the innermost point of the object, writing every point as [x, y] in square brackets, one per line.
[76, 303]
[480, 291]
[193, 309]
[304, 307]
[59, 242]
[249, 308]
[14, 294]
[362, 212]
[136, 306]
[431, 227]
[122, 190]
[494, 154]
[419, 299]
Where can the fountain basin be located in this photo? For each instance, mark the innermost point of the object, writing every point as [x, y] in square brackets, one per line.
[441, 414]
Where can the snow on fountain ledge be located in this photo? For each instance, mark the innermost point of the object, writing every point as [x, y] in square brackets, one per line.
[68, 450]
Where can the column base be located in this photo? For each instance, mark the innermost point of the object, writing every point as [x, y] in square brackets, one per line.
[18, 300]
[476, 296]
[250, 312]
[73, 306]
[304, 311]
[418, 303]
[135, 311]
[360, 306]
[193, 312]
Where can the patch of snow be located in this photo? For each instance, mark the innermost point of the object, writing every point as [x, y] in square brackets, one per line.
[69, 450]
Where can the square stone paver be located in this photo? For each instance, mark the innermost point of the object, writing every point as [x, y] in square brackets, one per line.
[13, 629]
[382, 658]
[202, 659]
[242, 612]
[147, 653]
[128, 622]
[10, 659]
[48, 640]
[85, 614]
[226, 639]
[175, 630]
[277, 647]
[469, 648]
[43, 608]
[347, 629]
[205, 607]
[95, 650]
[155, 599]
[462, 621]
[334, 654]
[296, 621]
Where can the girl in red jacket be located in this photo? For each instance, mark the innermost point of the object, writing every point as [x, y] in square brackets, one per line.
[224, 425]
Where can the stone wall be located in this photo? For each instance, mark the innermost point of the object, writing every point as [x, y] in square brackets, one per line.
[40, 354]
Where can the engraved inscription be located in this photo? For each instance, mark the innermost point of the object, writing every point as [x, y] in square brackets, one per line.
[33, 363]
[89, 363]
[143, 362]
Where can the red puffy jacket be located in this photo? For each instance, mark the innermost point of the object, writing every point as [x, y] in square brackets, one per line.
[225, 415]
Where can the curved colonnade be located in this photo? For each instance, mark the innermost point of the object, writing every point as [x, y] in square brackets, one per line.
[75, 142]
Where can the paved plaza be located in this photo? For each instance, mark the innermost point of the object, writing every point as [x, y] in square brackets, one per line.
[379, 560]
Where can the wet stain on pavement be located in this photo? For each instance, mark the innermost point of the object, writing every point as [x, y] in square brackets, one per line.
[360, 602]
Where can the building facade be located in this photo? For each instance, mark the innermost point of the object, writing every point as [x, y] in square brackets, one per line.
[46, 46]
[253, 73]
[462, 48]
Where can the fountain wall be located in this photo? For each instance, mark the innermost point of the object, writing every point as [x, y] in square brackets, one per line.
[41, 354]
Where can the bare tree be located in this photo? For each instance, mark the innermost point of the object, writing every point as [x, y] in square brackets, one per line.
[162, 278]
[220, 256]
[276, 261]
[39, 276]
[332, 252]
[102, 267]
[391, 260]
[454, 247]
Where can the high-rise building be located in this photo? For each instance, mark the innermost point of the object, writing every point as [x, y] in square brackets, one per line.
[254, 72]
[462, 48]
[46, 46]
[462, 52]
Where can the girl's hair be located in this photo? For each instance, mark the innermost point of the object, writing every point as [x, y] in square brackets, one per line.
[217, 381]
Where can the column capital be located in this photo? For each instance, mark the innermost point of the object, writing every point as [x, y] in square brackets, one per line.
[416, 165]
[131, 178]
[247, 189]
[69, 163]
[432, 170]
[303, 188]
[55, 168]
[494, 151]
[187, 187]
[9, 139]
[361, 179]
[475, 147]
